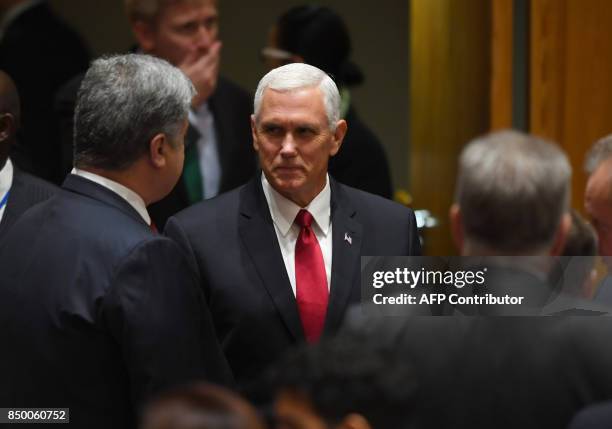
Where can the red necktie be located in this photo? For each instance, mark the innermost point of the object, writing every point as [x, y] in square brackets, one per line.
[153, 227]
[310, 279]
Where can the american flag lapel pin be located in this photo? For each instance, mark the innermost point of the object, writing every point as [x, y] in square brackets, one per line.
[348, 238]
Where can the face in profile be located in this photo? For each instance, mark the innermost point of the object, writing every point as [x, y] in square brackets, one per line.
[294, 142]
[183, 32]
[598, 204]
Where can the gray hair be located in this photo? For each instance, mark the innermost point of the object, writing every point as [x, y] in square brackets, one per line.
[513, 190]
[123, 102]
[292, 77]
[601, 151]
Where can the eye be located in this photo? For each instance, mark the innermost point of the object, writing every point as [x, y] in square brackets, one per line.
[272, 130]
[189, 27]
[305, 132]
[211, 23]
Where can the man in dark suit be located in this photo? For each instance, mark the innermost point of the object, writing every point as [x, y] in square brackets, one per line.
[41, 53]
[279, 258]
[18, 190]
[218, 153]
[97, 311]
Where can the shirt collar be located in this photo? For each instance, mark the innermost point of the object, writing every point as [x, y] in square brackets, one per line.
[6, 178]
[284, 211]
[13, 13]
[126, 193]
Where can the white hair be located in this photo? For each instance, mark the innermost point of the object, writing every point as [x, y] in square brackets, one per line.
[292, 77]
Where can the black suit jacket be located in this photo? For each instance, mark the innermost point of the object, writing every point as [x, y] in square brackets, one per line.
[496, 372]
[25, 192]
[361, 161]
[41, 53]
[232, 244]
[96, 312]
[231, 107]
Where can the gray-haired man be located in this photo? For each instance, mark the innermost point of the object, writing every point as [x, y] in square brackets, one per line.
[97, 311]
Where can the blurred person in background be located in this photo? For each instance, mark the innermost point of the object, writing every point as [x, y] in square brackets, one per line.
[200, 406]
[598, 205]
[18, 190]
[218, 154]
[318, 36]
[41, 53]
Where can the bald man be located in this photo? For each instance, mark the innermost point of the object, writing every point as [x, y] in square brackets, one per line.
[18, 190]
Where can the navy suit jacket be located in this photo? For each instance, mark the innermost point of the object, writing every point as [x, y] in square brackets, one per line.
[97, 312]
[25, 192]
[232, 244]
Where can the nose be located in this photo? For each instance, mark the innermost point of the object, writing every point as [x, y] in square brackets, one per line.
[288, 147]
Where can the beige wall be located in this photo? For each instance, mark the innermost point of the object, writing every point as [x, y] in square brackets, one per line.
[380, 47]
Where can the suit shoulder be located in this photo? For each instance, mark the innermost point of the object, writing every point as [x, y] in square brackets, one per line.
[375, 204]
[217, 208]
[226, 87]
[35, 186]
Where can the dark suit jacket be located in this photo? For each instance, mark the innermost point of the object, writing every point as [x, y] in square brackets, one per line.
[96, 312]
[25, 192]
[41, 53]
[598, 416]
[361, 161]
[497, 372]
[231, 107]
[233, 246]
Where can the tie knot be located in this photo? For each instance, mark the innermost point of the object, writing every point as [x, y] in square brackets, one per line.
[304, 219]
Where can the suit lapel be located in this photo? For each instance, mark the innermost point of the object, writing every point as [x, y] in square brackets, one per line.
[257, 232]
[347, 235]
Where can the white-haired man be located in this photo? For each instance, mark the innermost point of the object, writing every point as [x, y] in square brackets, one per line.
[279, 258]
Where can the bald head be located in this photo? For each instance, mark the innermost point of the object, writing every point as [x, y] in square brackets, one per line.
[9, 115]
[9, 98]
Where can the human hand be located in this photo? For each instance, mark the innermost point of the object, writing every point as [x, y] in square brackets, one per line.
[203, 71]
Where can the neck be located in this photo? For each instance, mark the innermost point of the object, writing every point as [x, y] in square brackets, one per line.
[126, 177]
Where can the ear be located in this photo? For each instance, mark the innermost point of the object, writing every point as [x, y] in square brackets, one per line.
[456, 224]
[144, 32]
[354, 421]
[254, 133]
[7, 126]
[561, 235]
[339, 134]
[157, 150]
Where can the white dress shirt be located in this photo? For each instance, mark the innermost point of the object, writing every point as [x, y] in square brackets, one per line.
[284, 211]
[6, 181]
[127, 194]
[208, 152]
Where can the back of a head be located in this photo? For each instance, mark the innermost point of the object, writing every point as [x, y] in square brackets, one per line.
[295, 76]
[513, 190]
[600, 152]
[321, 38]
[346, 375]
[123, 102]
[200, 406]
